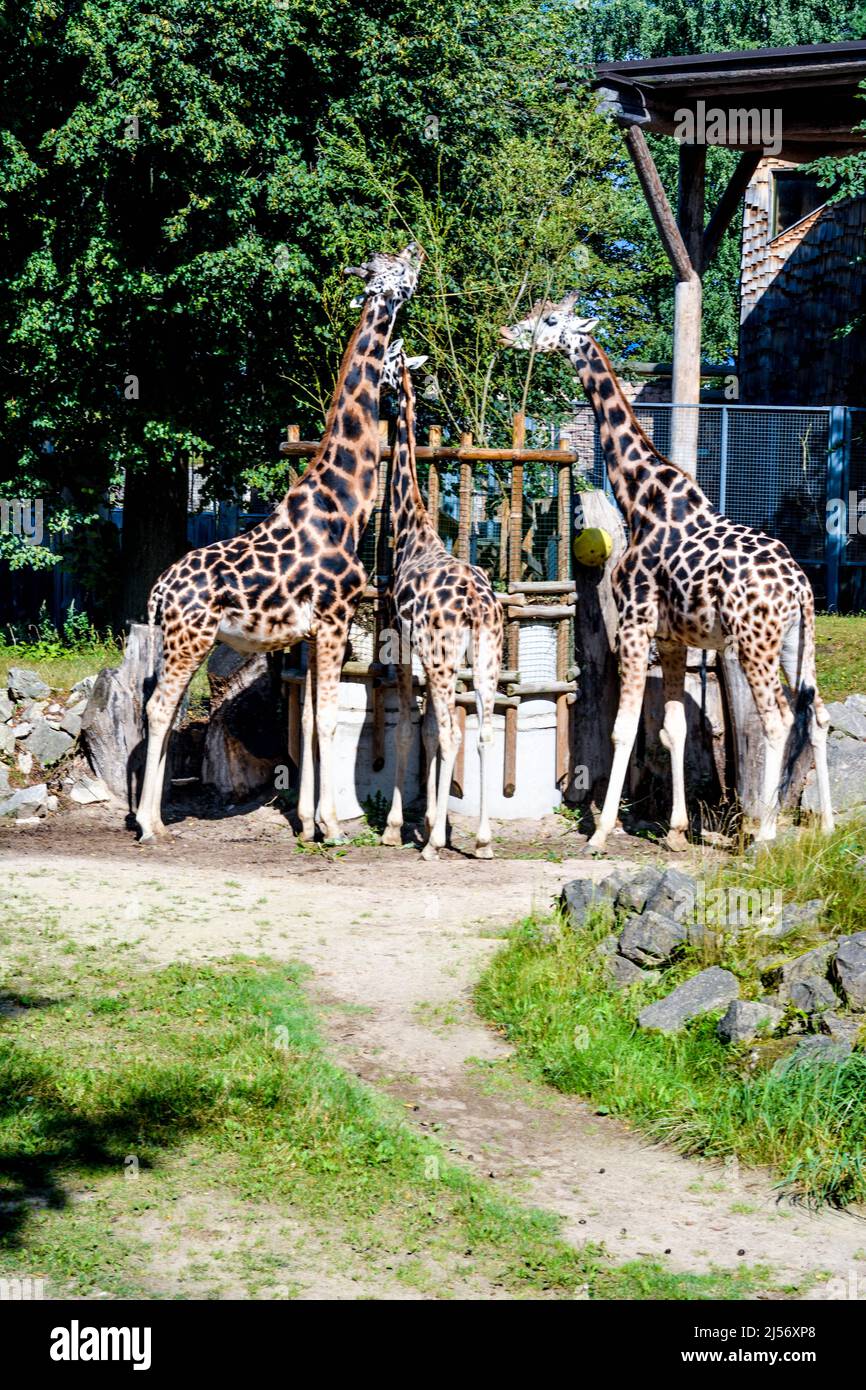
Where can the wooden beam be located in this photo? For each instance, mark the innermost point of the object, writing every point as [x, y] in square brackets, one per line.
[728, 203]
[688, 298]
[657, 201]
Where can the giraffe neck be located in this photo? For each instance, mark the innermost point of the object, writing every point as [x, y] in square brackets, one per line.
[412, 525]
[628, 454]
[345, 466]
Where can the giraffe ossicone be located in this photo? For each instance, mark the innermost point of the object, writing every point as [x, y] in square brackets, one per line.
[689, 577]
[297, 575]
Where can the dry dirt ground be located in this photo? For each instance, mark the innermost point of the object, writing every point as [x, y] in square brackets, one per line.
[398, 944]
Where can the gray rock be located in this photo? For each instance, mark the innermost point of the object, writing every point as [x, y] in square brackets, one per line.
[7, 739]
[812, 995]
[674, 896]
[6, 710]
[22, 730]
[26, 685]
[578, 896]
[794, 917]
[814, 1050]
[84, 687]
[651, 939]
[857, 702]
[27, 801]
[847, 718]
[810, 963]
[841, 1027]
[47, 744]
[71, 724]
[4, 780]
[746, 1018]
[607, 947]
[637, 888]
[622, 972]
[86, 790]
[76, 707]
[712, 989]
[846, 763]
[849, 968]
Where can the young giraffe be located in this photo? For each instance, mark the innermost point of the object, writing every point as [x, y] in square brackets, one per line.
[691, 578]
[439, 604]
[296, 575]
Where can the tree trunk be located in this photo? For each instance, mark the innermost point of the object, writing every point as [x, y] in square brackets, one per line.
[155, 505]
[113, 725]
[245, 739]
[595, 627]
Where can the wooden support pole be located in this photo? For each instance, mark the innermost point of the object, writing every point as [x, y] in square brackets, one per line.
[435, 440]
[657, 200]
[688, 301]
[563, 742]
[464, 523]
[728, 204]
[293, 434]
[515, 574]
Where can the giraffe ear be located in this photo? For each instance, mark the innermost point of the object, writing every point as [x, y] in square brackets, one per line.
[413, 363]
[397, 346]
[587, 325]
[357, 302]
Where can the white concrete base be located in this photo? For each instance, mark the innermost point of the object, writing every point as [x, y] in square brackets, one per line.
[536, 793]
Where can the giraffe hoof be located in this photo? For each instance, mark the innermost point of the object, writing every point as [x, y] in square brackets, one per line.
[307, 834]
[393, 836]
[598, 841]
[483, 852]
[430, 853]
[677, 841]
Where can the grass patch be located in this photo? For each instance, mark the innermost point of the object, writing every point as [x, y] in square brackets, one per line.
[841, 654]
[226, 1063]
[807, 1123]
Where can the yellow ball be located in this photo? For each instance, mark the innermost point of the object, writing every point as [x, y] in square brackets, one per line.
[593, 546]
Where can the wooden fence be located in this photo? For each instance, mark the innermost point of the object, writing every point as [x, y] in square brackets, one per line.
[524, 601]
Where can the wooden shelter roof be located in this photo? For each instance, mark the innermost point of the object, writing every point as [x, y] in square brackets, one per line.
[815, 86]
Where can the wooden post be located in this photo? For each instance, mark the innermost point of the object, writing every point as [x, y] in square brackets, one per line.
[515, 570]
[293, 435]
[383, 569]
[688, 300]
[434, 440]
[563, 632]
[464, 525]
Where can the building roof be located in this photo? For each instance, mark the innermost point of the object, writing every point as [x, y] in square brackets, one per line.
[814, 86]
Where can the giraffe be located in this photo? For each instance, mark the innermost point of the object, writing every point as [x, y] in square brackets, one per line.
[439, 604]
[297, 575]
[691, 578]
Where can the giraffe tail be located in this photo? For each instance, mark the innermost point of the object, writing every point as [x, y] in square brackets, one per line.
[486, 663]
[154, 624]
[804, 690]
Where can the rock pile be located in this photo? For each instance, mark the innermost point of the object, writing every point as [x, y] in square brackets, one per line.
[658, 915]
[846, 757]
[38, 731]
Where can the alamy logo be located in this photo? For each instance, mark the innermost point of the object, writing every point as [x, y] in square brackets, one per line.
[739, 126]
[77, 1343]
[22, 516]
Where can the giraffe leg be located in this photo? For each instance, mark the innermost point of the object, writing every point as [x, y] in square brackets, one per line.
[441, 687]
[330, 647]
[178, 669]
[776, 720]
[799, 667]
[307, 789]
[394, 829]
[634, 655]
[430, 735]
[673, 736]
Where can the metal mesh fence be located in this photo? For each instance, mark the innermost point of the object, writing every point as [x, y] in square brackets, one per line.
[855, 550]
[762, 466]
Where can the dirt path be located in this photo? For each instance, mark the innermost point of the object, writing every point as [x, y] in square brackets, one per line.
[401, 942]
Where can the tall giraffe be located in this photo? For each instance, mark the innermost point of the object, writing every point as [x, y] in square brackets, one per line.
[691, 578]
[441, 604]
[297, 575]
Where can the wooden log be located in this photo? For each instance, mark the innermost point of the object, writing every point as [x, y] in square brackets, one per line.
[243, 745]
[113, 726]
[532, 688]
[595, 623]
[657, 200]
[505, 702]
[543, 586]
[747, 742]
[550, 612]
[435, 438]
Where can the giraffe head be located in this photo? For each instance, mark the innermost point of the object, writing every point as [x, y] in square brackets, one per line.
[551, 328]
[392, 368]
[390, 277]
